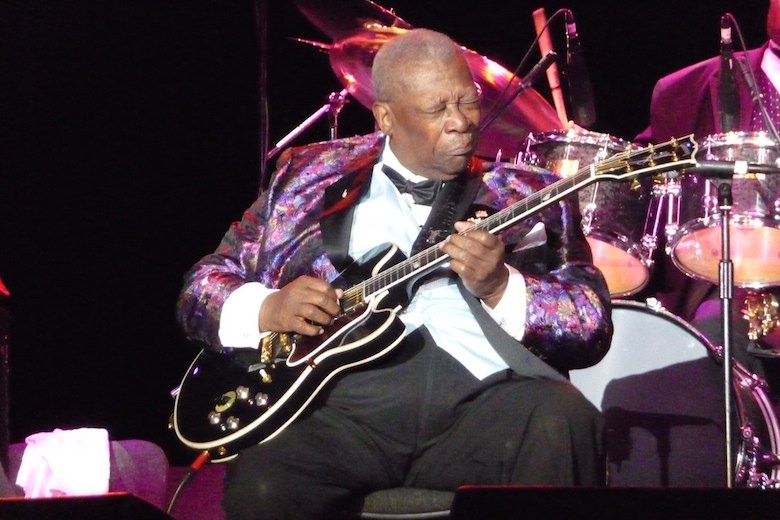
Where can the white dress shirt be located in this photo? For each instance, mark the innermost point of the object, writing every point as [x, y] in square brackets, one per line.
[386, 214]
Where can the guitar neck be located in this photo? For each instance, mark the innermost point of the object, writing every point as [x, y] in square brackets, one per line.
[672, 155]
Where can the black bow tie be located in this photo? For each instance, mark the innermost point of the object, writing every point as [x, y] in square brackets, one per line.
[423, 192]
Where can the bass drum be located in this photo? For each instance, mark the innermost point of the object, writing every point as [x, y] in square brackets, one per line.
[613, 212]
[660, 389]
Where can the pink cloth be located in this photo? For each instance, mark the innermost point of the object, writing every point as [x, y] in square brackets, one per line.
[65, 462]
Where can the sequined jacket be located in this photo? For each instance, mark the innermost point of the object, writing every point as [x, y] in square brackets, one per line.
[300, 226]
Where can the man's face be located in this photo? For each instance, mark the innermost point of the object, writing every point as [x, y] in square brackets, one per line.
[433, 122]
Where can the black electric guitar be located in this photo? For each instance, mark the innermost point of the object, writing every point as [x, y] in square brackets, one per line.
[234, 398]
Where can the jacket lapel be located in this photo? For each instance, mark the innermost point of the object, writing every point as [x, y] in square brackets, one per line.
[340, 200]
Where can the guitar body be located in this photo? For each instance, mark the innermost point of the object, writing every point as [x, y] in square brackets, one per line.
[231, 399]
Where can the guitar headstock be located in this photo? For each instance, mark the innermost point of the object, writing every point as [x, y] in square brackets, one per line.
[675, 154]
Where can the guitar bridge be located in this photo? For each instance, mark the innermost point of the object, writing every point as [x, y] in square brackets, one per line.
[276, 346]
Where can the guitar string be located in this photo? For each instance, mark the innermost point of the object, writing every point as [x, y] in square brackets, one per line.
[359, 293]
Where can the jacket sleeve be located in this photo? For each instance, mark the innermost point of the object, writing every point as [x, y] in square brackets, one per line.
[237, 260]
[214, 277]
[568, 311]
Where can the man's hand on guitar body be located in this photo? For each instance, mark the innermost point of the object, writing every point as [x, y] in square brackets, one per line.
[303, 306]
[478, 258]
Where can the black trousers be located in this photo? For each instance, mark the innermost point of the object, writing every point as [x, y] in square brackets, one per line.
[421, 420]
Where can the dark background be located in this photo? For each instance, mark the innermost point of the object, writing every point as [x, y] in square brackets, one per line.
[129, 140]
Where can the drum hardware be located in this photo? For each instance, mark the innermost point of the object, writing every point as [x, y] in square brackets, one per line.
[666, 192]
[663, 192]
[336, 101]
[753, 462]
[726, 286]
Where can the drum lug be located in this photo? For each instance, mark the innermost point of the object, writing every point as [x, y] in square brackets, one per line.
[750, 381]
[528, 157]
[753, 458]
[587, 217]
[649, 243]
[655, 305]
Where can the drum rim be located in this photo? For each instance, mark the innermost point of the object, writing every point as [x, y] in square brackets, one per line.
[762, 139]
[574, 136]
[711, 221]
[631, 248]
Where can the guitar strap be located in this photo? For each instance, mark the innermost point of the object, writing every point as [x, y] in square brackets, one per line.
[521, 360]
[451, 205]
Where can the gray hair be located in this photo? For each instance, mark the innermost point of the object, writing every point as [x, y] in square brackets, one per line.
[408, 49]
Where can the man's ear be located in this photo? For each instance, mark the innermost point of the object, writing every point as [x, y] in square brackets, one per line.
[383, 115]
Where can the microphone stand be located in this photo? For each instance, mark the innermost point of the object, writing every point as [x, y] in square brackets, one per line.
[725, 284]
[335, 103]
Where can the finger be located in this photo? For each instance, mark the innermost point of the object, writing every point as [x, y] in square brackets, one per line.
[466, 249]
[319, 293]
[321, 304]
[305, 328]
[314, 314]
[463, 225]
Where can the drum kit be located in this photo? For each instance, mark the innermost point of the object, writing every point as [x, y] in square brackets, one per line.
[658, 385]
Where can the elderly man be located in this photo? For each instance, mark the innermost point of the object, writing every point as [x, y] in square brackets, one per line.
[475, 390]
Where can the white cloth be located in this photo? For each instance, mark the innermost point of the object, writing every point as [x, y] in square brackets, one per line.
[65, 462]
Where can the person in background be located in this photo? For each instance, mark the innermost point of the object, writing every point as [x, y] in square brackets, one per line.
[693, 100]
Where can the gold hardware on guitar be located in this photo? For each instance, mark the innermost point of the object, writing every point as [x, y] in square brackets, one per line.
[275, 346]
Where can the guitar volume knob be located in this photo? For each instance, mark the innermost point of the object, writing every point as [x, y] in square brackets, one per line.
[214, 418]
[242, 393]
[232, 423]
[261, 399]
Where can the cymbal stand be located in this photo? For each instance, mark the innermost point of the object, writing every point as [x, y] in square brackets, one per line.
[725, 284]
[336, 101]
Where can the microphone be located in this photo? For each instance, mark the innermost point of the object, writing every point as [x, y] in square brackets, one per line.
[580, 90]
[537, 70]
[526, 83]
[727, 169]
[728, 102]
[756, 97]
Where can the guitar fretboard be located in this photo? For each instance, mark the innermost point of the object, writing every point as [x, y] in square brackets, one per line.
[672, 155]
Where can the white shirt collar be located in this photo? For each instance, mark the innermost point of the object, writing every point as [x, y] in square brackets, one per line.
[389, 158]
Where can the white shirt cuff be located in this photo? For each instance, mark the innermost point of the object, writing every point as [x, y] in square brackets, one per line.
[238, 321]
[509, 313]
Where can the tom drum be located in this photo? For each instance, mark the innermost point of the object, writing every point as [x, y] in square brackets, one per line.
[613, 212]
